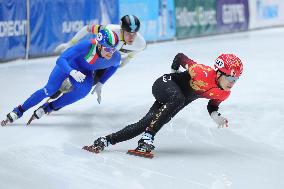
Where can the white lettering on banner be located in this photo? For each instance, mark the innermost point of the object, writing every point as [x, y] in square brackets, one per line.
[13, 28]
[266, 11]
[72, 26]
[200, 16]
[233, 13]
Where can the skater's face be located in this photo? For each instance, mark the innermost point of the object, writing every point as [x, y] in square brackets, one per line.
[107, 52]
[129, 37]
[226, 81]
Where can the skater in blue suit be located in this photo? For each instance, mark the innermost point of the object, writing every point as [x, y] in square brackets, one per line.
[78, 63]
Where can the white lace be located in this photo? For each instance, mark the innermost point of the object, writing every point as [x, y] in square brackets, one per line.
[104, 140]
[147, 138]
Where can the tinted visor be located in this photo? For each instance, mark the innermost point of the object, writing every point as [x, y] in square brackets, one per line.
[109, 49]
[231, 79]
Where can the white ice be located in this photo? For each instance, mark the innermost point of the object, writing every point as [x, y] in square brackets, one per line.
[191, 152]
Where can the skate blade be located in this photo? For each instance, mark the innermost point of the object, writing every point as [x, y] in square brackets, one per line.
[140, 154]
[4, 122]
[92, 149]
[30, 120]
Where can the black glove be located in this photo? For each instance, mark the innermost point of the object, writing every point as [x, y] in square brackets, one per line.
[176, 63]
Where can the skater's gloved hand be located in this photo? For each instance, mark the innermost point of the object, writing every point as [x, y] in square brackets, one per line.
[175, 65]
[174, 71]
[219, 120]
[126, 59]
[78, 76]
[62, 47]
[98, 90]
[123, 62]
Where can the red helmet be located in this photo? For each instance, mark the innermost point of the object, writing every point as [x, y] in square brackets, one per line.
[229, 64]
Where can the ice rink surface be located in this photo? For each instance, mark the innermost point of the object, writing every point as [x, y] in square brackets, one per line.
[191, 152]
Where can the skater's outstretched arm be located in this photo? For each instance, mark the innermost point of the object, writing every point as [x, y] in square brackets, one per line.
[71, 54]
[181, 60]
[84, 31]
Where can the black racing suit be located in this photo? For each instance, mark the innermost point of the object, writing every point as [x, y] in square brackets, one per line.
[172, 93]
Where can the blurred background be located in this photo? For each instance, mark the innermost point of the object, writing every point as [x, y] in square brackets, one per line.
[33, 28]
[191, 152]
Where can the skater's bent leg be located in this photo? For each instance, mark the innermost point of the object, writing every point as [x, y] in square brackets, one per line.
[79, 91]
[170, 95]
[169, 101]
[165, 114]
[135, 129]
[55, 79]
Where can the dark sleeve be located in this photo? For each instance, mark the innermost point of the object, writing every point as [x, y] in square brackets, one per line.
[213, 105]
[182, 60]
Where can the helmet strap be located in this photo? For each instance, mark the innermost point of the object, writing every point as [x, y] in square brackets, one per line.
[221, 73]
[121, 35]
[98, 50]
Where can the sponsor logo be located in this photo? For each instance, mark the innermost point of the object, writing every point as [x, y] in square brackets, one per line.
[45, 91]
[99, 36]
[75, 26]
[233, 13]
[13, 28]
[200, 17]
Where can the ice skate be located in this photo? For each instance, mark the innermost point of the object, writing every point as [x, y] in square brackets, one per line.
[98, 146]
[44, 109]
[12, 116]
[145, 146]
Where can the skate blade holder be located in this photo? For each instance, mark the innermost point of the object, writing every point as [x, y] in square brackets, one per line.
[140, 154]
[4, 123]
[91, 149]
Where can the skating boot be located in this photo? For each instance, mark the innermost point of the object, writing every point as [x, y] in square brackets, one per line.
[44, 109]
[98, 146]
[12, 116]
[145, 146]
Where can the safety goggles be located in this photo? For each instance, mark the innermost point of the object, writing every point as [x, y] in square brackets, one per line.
[109, 49]
[231, 79]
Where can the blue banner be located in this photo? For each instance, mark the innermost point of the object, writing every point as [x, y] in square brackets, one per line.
[56, 21]
[13, 31]
[157, 17]
[232, 15]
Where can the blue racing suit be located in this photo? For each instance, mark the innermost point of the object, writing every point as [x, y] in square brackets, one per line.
[83, 57]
